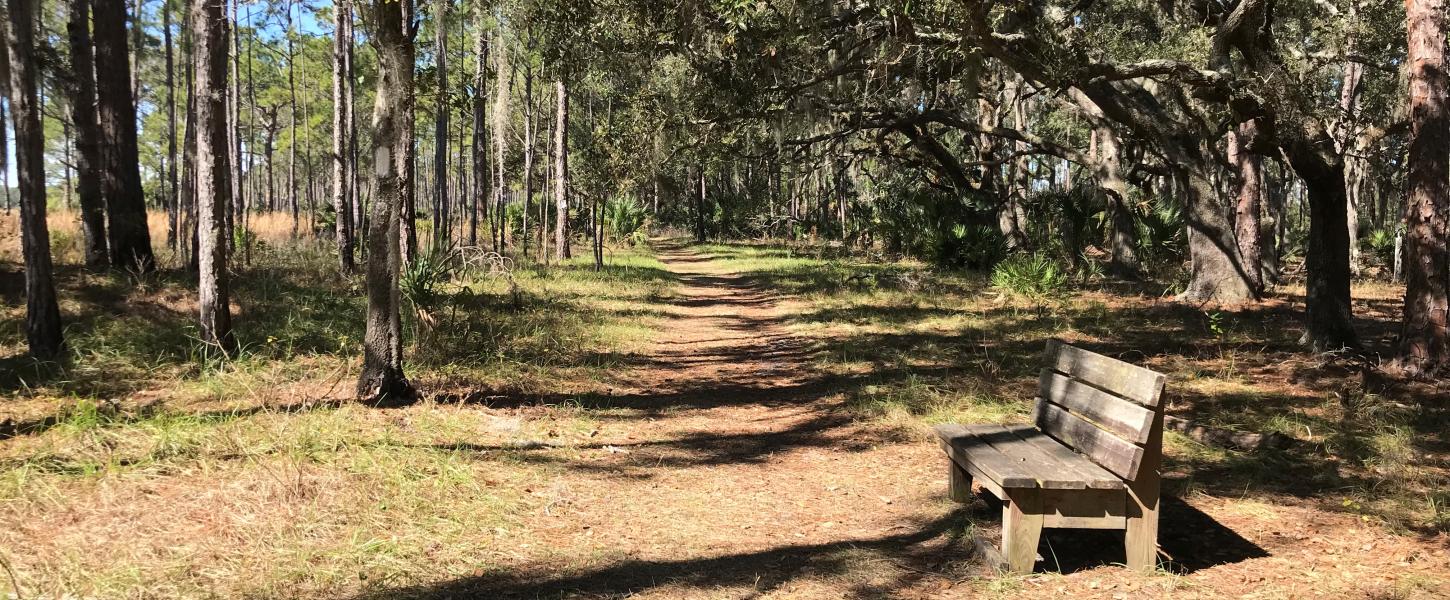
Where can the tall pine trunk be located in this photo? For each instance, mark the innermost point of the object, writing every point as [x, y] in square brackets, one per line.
[168, 174]
[42, 313]
[441, 218]
[382, 379]
[213, 173]
[292, 202]
[83, 114]
[1424, 338]
[500, 145]
[121, 171]
[341, 124]
[561, 172]
[481, 178]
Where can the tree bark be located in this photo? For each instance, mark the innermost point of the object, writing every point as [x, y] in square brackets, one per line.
[83, 114]
[1423, 341]
[561, 172]
[528, 176]
[42, 313]
[382, 379]
[213, 173]
[121, 171]
[481, 178]
[5, 121]
[442, 220]
[341, 121]
[168, 174]
[1249, 164]
[500, 144]
[236, 218]
[1123, 238]
[292, 125]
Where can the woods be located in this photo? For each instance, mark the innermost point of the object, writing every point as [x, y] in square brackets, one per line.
[518, 249]
[814, 141]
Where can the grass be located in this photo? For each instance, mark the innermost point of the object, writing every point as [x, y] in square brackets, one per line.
[143, 463]
[917, 346]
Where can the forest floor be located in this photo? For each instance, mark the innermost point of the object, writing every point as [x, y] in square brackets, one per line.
[711, 421]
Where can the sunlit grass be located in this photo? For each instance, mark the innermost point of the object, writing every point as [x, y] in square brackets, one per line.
[924, 346]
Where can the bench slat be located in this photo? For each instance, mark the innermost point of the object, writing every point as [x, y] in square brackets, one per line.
[1127, 380]
[965, 448]
[1050, 473]
[1128, 420]
[1094, 476]
[1102, 447]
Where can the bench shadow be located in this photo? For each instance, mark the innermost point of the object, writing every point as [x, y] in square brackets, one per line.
[1189, 540]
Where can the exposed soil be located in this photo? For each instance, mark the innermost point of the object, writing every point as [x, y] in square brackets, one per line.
[734, 472]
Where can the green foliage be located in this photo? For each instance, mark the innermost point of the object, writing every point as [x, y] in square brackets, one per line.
[1029, 275]
[624, 218]
[1379, 246]
[423, 278]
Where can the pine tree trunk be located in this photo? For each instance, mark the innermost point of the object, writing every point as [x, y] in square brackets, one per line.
[5, 121]
[213, 173]
[292, 202]
[500, 145]
[481, 178]
[168, 174]
[382, 379]
[83, 114]
[442, 221]
[1423, 341]
[42, 313]
[121, 172]
[341, 121]
[236, 219]
[528, 176]
[561, 172]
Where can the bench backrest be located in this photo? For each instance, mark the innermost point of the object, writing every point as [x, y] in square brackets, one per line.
[1102, 407]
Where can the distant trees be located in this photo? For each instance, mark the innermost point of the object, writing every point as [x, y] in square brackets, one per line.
[42, 313]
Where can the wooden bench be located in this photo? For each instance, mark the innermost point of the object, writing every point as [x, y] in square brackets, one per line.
[1090, 462]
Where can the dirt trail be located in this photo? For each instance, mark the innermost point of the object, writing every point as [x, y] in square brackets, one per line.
[734, 472]
[736, 475]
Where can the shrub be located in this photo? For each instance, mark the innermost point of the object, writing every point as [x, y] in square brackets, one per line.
[624, 219]
[1031, 275]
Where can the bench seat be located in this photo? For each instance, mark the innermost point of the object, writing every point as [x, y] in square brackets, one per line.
[1021, 456]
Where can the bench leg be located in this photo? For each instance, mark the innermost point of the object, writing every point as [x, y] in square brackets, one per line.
[959, 482]
[1021, 528]
[1141, 537]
